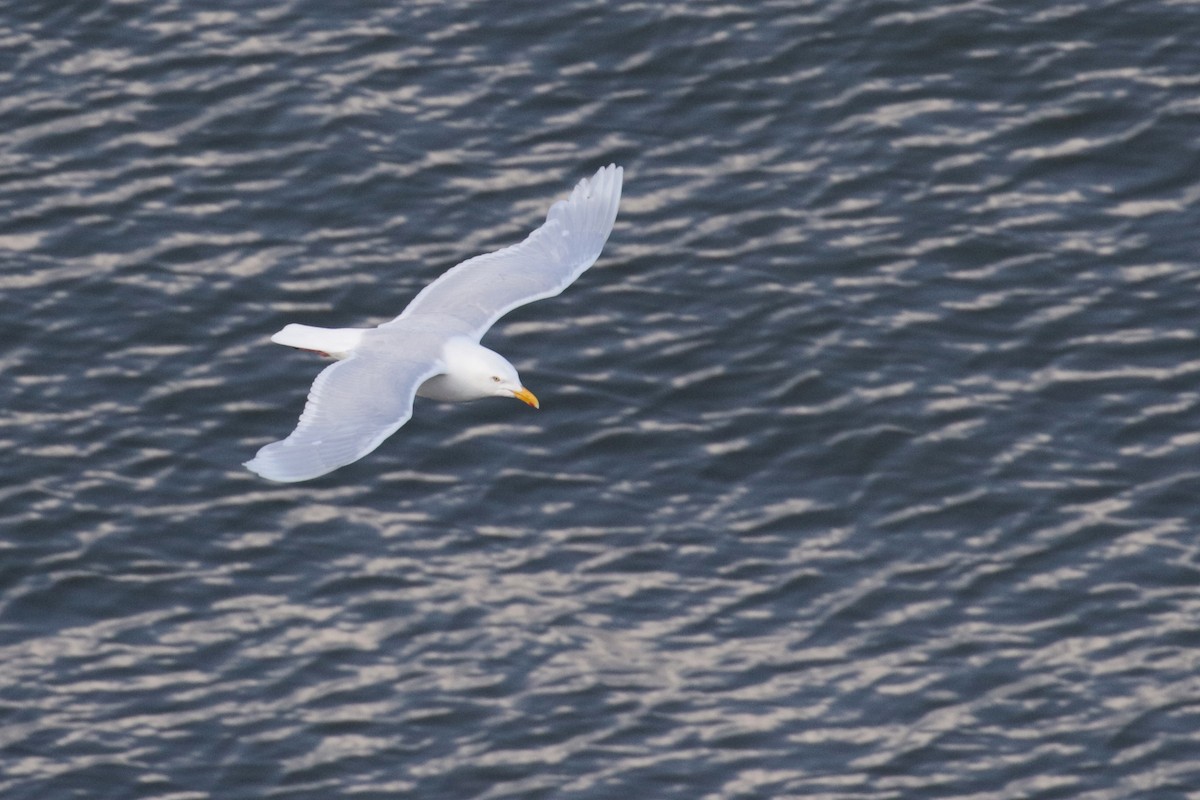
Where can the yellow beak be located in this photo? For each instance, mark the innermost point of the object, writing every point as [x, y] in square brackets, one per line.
[526, 396]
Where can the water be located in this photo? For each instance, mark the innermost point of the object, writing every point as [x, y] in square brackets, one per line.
[866, 459]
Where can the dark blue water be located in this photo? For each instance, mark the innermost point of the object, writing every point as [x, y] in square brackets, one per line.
[867, 458]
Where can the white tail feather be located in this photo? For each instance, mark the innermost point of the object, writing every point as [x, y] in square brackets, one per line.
[336, 342]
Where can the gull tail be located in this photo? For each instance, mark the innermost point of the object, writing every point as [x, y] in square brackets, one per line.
[335, 342]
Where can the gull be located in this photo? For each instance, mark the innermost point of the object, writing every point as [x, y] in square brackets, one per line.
[432, 349]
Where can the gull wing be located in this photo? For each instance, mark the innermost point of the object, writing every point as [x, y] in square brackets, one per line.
[352, 407]
[481, 290]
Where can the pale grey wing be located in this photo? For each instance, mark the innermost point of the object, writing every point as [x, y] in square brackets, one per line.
[481, 290]
[352, 407]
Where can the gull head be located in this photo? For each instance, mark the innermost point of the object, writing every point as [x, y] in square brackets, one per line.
[500, 378]
[473, 372]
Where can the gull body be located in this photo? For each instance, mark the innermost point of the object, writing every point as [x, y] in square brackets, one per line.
[432, 349]
[472, 370]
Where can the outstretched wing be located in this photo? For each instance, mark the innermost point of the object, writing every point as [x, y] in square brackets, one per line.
[352, 407]
[481, 290]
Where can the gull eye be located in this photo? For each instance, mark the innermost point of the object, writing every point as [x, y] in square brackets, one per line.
[495, 379]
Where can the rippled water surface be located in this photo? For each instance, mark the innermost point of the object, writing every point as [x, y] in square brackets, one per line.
[867, 458]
